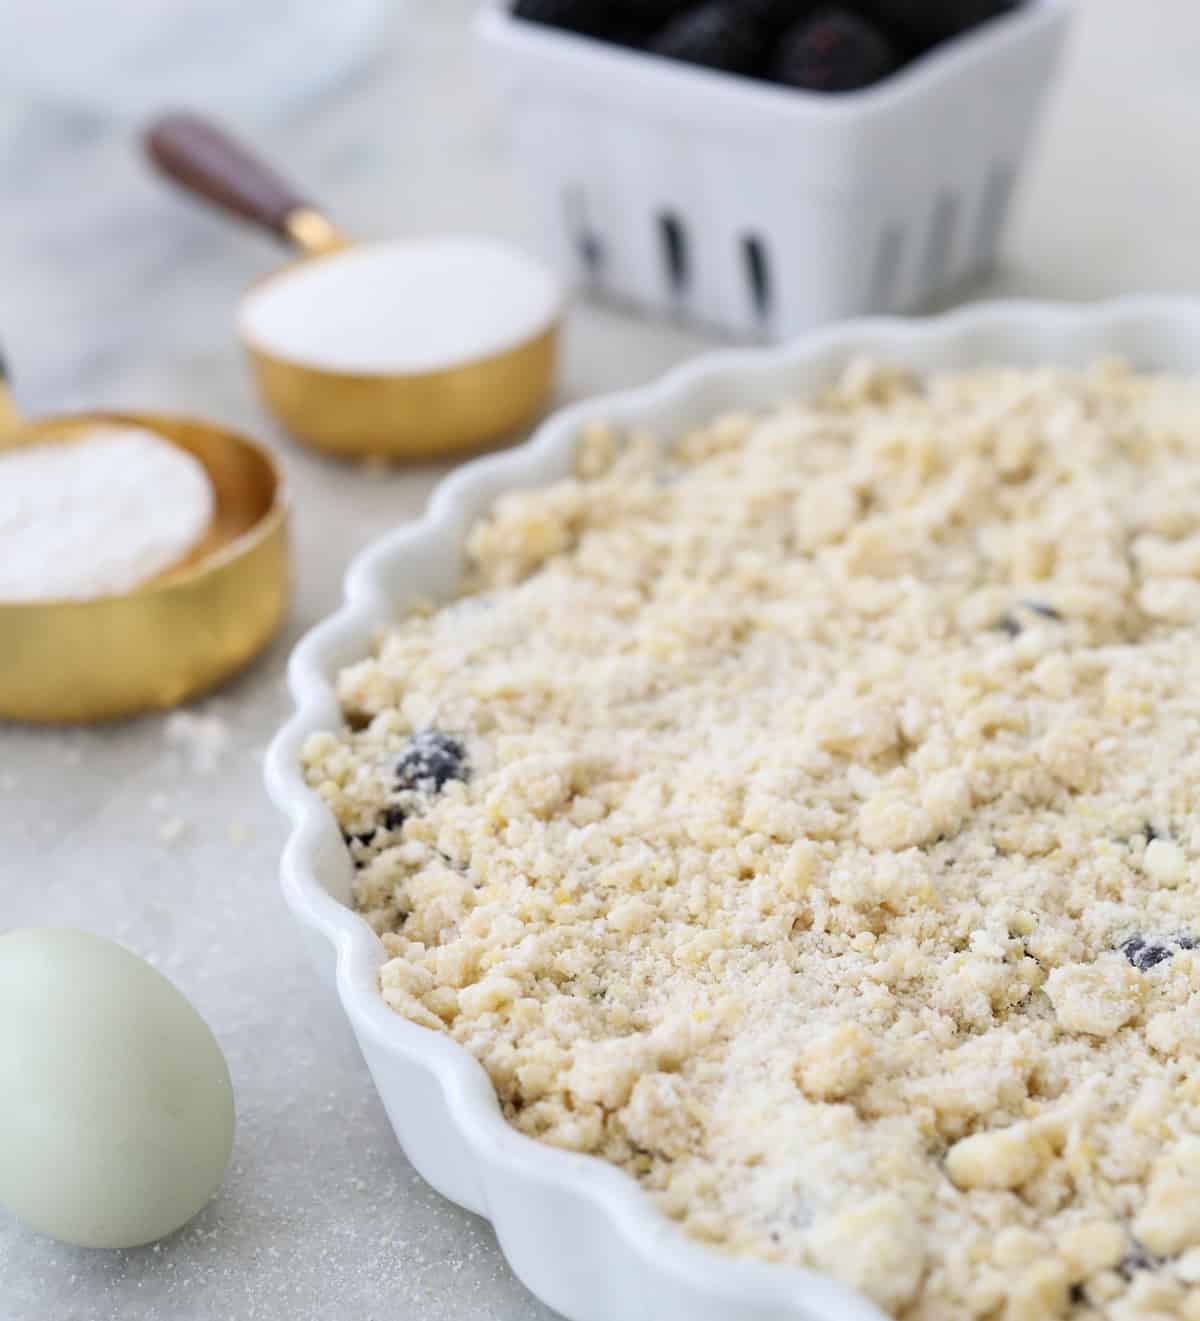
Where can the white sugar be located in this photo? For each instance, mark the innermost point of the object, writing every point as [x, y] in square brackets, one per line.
[406, 306]
[97, 514]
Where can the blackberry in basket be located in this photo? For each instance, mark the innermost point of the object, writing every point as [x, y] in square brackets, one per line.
[655, 14]
[833, 51]
[920, 24]
[591, 18]
[718, 35]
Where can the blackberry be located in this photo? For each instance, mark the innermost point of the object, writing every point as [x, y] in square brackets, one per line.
[1146, 952]
[592, 18]
[430, 760]
[920, 24]
[1011, 622]
[717, 35]
[363, 838]
[654, 14]
[774, 17]
[1137, 1260]
[833, 51]
[393, 818]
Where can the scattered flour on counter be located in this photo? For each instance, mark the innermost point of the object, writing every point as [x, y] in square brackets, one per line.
[172, 829]
[97, 514]
[411, 306]
[204, 738]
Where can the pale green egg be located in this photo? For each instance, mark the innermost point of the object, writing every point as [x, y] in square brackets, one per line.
[116, 1109]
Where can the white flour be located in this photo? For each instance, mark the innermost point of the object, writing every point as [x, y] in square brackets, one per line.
[97, 514]
[407, 306]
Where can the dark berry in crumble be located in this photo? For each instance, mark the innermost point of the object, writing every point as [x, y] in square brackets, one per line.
[393, 818]
[1137, 1260]
[717, 35]
[430, 760]
[356, 842]
[834, 50]
[1146, 952]
[1013, 622]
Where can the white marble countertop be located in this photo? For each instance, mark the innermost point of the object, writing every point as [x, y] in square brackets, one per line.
[116, 293]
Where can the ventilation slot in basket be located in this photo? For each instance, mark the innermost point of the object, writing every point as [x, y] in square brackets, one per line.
[886, 273]
[589, 249]
[992, 210]
[673, 239]
[758, 276]
[939, 244]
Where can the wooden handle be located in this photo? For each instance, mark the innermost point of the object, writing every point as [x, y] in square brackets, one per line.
[204, 160]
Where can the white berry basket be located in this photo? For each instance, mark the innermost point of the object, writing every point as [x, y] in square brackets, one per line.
[762, 209]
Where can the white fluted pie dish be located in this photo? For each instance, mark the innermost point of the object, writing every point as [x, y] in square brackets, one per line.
[578, 1232]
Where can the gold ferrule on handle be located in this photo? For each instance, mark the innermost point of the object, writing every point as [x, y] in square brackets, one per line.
[314, 233]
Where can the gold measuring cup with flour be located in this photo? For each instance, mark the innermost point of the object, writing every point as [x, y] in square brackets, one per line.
[390, 350]
[143, 559]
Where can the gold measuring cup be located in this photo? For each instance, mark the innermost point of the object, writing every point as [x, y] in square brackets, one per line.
[176, 635]
[394, 415]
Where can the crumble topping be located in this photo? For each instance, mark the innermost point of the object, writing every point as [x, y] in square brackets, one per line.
[803, 817]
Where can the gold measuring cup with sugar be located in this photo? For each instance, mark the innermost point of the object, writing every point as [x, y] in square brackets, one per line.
[390, 350]
[180, 631]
